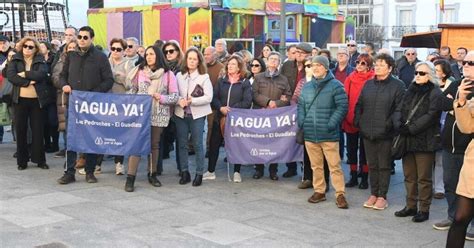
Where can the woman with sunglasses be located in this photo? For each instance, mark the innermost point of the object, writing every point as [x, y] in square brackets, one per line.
[417, 118]
[257, 65]
[232, 91]
[195, 96]
[152, 77]
[173, 56]
[355, 145]
[28, 73]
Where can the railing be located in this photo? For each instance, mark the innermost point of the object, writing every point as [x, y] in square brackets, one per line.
[400, 31]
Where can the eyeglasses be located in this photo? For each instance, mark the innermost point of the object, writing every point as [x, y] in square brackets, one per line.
[360, 62]
[466, 62]
[421, 73]
[171, 51]
[254, 65]
[351, 45]
[118, 49]
[130, 46]
[410, 54]
[28, 47]
[307, 65]
[82, 37]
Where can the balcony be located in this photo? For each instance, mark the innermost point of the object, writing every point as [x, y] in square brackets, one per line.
[399, 31]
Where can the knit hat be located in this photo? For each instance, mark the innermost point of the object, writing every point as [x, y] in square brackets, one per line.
[322, 60]
[303, 46]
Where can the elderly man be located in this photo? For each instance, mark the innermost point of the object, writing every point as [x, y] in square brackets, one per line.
[322, 106]
[294, 71]
[270, 90]
[405, 66]
[131, 51]
[457, 67]
[221, 50]
[445, 53]
[214, 68]
[343, 68]
[291, 53]
[353, 53]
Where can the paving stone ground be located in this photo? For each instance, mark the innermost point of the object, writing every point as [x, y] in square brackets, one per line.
[35, 211]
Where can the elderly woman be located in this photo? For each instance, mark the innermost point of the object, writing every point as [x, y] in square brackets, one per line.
[195, 96]
[418, 120]
[28, 74]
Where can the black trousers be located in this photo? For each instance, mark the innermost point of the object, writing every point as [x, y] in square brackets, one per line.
[379, 158]
[28, 111]
[214, 146]
[355, 145]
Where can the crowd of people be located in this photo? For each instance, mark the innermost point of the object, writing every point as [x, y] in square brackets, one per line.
[355, 106]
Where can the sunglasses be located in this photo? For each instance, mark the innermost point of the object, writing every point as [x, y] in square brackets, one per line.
[81, 37]
[360, 62]
[351, 45]
[254, 65]
[421, 73]
[171, 51]
[28, 47]
[118, 49]
[307, 65]
[411, 54]
[130, 46]
[466, 62]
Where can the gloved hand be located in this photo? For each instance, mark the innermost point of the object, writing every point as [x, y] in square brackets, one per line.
[404, 129]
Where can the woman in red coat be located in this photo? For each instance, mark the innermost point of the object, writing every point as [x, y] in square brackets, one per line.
[353, 86]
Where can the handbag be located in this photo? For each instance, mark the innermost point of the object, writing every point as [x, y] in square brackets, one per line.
[5, 119]
[300, 132]
[399, 143]
[198, 91]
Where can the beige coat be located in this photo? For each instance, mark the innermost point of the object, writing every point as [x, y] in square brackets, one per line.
[465, 120]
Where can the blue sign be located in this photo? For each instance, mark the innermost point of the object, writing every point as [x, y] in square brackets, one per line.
[262, 136]
[114, 124]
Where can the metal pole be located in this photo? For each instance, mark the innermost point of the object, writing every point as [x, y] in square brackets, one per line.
[46, 21]
[13, 18]
[283, 29]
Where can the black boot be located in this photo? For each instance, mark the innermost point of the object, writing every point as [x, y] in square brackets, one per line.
[185, 178]
[129, 183]
[153, 180]
[421, 216]
[353, 181]
[197, 180]
[364, 184]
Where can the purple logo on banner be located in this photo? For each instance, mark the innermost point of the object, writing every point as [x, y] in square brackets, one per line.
[116, 124]
[259, 136]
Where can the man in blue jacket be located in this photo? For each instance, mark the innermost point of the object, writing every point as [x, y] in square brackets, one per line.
[321, 107]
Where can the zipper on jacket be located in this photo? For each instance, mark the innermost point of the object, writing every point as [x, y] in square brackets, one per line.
[452, 136]
[228, 94]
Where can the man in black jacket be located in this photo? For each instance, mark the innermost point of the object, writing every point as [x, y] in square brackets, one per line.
[87, 70]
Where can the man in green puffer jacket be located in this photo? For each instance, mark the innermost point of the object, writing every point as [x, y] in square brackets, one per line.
[322, 106]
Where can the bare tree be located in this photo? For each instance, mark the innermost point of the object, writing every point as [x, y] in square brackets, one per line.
[371, 33]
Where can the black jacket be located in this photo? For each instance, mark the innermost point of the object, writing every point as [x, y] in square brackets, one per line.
[240, 95]
[38, 73]
[289, 69]
[452, 140]
[374, 112]
[405, 70]
[424, 125]
[87, 72]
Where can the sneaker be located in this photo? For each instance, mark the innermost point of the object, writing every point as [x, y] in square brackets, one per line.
[90, 178]
[60, 154]
[209, 176]
[237, 178]
[443, 225]
[380, 204]
[306, 184]
[317, 197]
[119, 169]
[370, 202]
[97, 170]
[66, 179]
[341, 202]
[470, 234]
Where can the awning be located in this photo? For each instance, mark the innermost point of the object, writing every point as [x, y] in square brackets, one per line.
[424, 39]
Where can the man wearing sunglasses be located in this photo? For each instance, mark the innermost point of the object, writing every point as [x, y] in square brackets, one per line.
[131, 51]
[86, 69]
[294, 71]
[353, 53]
[405, 66]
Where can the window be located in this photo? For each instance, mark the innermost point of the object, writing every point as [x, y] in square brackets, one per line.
[31, 14]
[290, 22]
[361, 16]
[405, 18]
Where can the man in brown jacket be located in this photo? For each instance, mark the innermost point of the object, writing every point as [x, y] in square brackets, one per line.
[270, 90]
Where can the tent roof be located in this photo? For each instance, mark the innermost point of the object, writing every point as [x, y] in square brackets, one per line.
[423, 39]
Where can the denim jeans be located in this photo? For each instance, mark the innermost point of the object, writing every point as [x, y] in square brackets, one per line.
[183, 127]
[452, 164]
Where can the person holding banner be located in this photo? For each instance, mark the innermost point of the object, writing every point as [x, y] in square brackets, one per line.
[232, 91]
[28, 74]
[322, 106]
[195, 96]
[152, 77]
[270, 90]
[86, 69]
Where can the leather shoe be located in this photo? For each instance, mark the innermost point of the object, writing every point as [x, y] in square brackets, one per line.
[185, 178]
[317, 197]
[22, 167]
[197, 180]
[90, 178]
[406, 212]
[43, 166]
[258, 175]
[274, 176]
[289, 173]
[421, 216]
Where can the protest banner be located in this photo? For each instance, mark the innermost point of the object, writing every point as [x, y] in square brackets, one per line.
[103, 123]
[260, 136]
